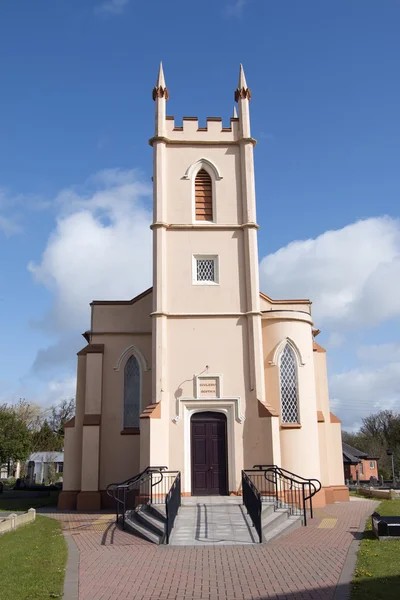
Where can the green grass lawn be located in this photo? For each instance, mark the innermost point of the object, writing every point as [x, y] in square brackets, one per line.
[377, 576]
[24, 503]
[32, 561]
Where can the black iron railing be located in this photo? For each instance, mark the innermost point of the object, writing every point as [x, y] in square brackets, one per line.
[172, 504]
[154, 486]
[139, 489]
[285, 489]
[252, 500]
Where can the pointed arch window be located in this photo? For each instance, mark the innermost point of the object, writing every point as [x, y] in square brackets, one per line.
[132, 393]
[289, 386]
[203, 196]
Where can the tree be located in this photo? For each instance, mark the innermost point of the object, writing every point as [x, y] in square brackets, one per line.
[378, 433]
[60, 415]
[46, 440]
[15, 438]
[31, 413]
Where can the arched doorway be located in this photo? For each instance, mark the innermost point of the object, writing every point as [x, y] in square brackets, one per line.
[209, 454]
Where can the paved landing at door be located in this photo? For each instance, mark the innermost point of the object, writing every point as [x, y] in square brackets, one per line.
[212, 521]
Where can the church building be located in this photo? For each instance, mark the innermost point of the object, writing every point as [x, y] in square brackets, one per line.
[203, 372]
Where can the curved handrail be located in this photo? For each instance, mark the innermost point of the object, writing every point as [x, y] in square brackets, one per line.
[113, 489]
[309, 486]
[134, 479]
[293, 476]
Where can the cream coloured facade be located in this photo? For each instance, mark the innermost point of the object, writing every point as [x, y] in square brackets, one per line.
[202, 372]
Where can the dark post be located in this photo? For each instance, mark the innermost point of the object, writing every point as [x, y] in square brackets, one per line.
[390, 453]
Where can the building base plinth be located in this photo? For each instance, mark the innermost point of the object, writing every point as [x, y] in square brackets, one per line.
[67, 500]
[337, 493]
[88, 501]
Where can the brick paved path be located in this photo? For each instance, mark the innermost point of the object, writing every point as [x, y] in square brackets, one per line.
[304, 565]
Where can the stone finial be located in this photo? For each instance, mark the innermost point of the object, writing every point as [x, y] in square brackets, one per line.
[242, 91]
[160, 90]
[235, 115]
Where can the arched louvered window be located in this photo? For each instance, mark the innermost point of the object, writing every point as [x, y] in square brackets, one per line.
[289, 386]
[203, 196]
[132, 400]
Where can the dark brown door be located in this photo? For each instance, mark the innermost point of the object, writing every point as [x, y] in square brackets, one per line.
[209, 454]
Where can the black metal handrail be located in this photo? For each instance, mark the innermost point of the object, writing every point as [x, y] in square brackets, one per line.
[140, 486]
[172, 504]
[252, 500]
[285, 489]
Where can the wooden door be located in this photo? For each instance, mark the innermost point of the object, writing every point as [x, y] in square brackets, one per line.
[209, 454]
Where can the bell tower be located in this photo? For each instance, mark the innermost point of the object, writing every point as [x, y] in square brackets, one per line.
[206, 305]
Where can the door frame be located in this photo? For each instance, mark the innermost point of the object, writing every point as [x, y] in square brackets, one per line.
[225, 464]
[229, 411]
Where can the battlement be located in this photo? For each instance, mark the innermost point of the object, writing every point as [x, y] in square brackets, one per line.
[213, 132]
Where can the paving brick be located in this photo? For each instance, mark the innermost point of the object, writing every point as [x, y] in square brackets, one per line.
[303, 565]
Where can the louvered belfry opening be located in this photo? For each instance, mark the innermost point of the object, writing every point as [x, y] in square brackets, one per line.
[203, 195]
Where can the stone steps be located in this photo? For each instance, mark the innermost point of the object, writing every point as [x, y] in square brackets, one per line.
[149, 522]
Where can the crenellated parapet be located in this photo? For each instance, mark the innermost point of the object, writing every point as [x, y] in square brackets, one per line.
[190, 131]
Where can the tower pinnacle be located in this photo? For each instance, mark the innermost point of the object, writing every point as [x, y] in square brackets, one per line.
[160, 90]
[242, 91]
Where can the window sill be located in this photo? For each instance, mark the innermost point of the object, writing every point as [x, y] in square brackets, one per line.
[290, 426]
[130, 431]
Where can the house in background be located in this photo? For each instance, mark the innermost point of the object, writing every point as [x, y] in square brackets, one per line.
[358, 465]
[38, 465]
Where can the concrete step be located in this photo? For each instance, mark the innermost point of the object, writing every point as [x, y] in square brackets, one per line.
[266, 510]
[159, 511]
[274, 519]
[133, 525]
[281, 529]
[147, 517]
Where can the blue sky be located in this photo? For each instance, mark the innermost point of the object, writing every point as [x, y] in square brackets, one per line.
[75, 167]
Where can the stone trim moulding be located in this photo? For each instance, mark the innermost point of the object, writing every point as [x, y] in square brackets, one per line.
[290, 425]
[152, 411]
[130, 431]
[197, 165]
[132, 349]
[266, 411]
[92, 349]
[182, 142]
[202, 315]
[200, 226]
[122, 333]
[89, 420]
[209, 404]
[280, 347]
[334, 418]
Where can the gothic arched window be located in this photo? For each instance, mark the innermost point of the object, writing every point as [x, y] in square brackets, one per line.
[203, 196]
[288, 386]
[132, 399]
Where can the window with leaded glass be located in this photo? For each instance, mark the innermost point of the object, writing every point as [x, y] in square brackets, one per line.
[132, 393]
[289, 386]
[205, 269]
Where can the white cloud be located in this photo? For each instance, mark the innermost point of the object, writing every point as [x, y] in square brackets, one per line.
[100, 248]
[9, 226]
[115, 7]
[352, 275]
[360, 392]
[379, 353]
[235, 7]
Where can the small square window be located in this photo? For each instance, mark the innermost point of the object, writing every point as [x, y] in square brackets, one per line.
[205, 270]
